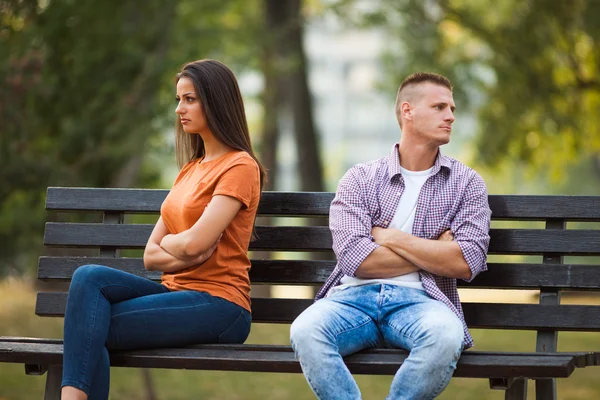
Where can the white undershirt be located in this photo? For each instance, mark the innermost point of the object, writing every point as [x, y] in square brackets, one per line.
[403, 220]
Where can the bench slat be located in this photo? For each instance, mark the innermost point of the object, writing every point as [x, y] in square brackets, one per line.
[315, 272]
[144, 201]
[318, 238]
[282, 238]
[269, 358]
[583, 208]
[477, 315]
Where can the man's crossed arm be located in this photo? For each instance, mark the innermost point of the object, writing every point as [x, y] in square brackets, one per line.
[400, 253]
[442, 257]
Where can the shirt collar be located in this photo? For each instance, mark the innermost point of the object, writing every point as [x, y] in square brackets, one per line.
[394, 162]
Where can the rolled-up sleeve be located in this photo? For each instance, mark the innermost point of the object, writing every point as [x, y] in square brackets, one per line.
[350, 224]
[471, 226]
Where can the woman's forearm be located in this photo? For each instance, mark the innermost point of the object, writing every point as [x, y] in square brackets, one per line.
[157, 259]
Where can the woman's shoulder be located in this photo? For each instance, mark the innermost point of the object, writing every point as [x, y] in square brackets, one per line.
[241, 158]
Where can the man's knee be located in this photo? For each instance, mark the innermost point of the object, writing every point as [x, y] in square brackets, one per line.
[302, 333]
[446, 336]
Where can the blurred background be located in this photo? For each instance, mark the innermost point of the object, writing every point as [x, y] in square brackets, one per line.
[87, 99]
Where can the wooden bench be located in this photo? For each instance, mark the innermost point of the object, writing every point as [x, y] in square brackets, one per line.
[506, 370]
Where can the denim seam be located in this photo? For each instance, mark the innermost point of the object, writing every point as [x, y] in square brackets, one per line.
[240, 315]
[91, 328]
[401, 332]
[164, 308]
[353, 328]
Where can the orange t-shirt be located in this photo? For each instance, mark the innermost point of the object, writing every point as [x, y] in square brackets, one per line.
[225, 273]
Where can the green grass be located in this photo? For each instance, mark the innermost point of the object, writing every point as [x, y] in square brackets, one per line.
[18, 319]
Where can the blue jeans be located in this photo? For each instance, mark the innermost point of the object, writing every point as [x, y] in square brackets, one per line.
[108, 309]
[378, 315]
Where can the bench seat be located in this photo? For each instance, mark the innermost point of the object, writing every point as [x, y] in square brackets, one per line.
[277, 358]
[93, 226]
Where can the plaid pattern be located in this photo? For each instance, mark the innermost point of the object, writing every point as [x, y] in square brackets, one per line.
[454, 197]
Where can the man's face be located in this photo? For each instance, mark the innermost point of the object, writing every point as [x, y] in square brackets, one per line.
[432, 113]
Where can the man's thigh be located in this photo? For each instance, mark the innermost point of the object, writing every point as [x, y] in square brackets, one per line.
[418, 317]
[342, 320]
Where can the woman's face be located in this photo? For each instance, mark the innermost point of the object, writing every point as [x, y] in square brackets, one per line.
[189, 108]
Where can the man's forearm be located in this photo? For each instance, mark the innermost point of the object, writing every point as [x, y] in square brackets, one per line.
[443, 258]
[384, 263]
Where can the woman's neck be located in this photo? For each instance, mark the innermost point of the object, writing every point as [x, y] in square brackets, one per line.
[213, 148]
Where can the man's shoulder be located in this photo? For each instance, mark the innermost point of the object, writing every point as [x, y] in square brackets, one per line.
[459, 170]
[369, 168]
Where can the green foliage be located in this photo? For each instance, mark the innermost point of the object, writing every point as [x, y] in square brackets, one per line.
[77, 104]
[527, 68]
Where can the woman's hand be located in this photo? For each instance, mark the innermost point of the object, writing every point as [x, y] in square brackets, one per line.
[193, 242]
[207, 254]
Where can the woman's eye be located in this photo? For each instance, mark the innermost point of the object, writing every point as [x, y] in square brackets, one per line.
[176, 99]
[189, 99]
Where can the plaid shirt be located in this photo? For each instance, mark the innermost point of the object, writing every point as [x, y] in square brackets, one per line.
[454, 197]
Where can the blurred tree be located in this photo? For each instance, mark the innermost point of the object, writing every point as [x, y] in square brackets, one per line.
[529, 68]
[286, 63]
[263, 36]
[84, 97]
[77, 104]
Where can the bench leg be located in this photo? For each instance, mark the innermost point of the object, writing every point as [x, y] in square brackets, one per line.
[545, 389]
[517, 391]
[53, 381]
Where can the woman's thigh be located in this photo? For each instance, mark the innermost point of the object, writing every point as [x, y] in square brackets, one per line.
[115, 285]
[176, 319]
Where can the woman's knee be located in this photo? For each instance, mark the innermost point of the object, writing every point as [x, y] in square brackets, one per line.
[88, 273]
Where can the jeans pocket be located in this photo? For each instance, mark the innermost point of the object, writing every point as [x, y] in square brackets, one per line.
[239, 330]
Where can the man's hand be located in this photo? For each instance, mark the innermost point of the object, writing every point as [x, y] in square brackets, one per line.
[380, 235]
[446, 236]
[443, 259]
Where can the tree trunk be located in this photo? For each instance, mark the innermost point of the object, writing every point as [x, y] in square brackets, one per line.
[285, 26]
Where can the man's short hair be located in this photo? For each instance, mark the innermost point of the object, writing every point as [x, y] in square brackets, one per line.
[405, 91]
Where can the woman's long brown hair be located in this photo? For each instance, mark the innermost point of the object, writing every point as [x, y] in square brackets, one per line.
[219, 94]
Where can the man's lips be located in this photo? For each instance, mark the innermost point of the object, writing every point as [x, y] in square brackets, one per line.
[448, 128]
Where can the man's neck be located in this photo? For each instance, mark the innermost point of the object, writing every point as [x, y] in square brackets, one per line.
[416, 157]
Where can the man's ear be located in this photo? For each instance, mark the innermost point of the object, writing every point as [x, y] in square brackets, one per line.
[406, 111]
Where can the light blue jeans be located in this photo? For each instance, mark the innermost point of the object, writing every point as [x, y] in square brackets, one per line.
[377, 315]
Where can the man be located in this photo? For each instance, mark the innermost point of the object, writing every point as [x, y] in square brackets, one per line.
[404, 228]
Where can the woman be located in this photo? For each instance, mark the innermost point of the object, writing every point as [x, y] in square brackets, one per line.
[200, 244]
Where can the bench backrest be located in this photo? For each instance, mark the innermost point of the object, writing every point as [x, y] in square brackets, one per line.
[551, 238]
